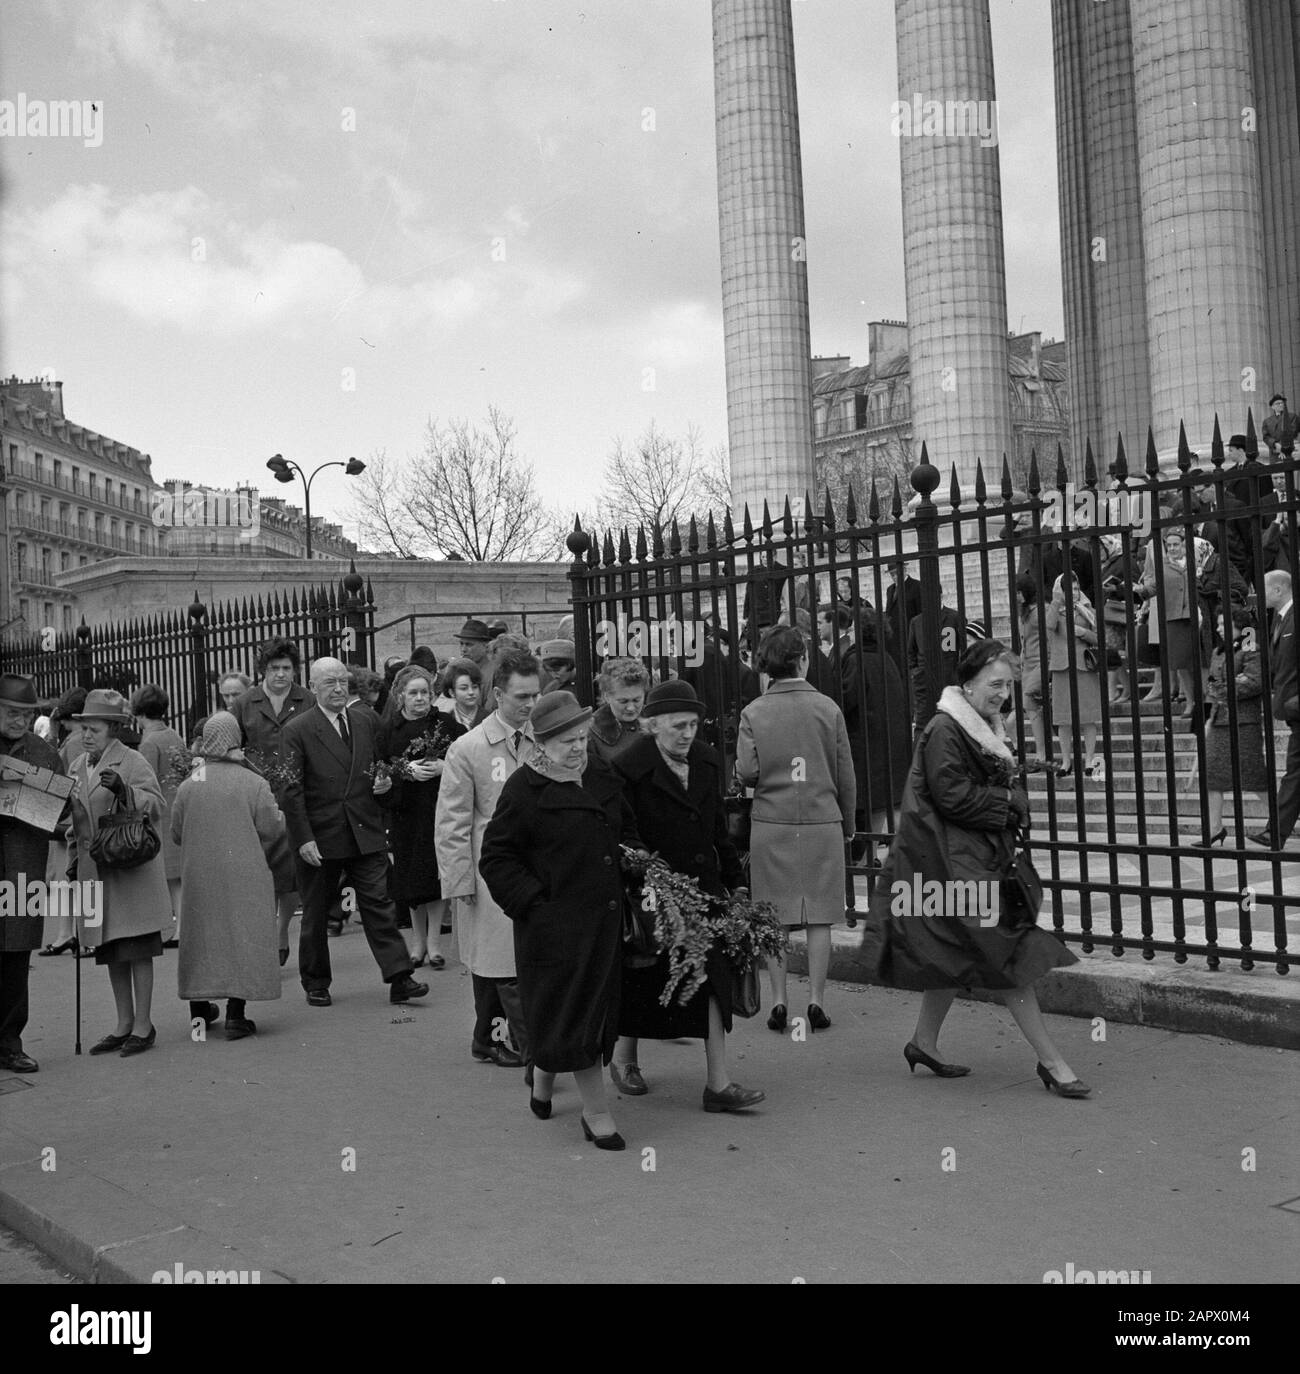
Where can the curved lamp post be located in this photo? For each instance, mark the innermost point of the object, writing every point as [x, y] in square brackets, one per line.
[285, 468]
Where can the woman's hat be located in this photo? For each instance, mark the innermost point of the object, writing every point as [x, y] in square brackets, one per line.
[475, 631]
[558, 648]
[220, 736]
[670, 697]
[557, 711]
[19, 691]
[105, 704]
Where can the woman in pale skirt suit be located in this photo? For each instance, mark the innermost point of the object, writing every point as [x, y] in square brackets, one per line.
[793, 749]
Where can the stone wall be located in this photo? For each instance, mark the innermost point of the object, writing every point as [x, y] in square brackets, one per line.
[440, 593]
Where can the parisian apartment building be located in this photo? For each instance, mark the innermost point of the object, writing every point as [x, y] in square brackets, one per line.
[70, 496]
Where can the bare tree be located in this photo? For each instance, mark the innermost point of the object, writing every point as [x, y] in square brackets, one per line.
[469, 493]
[659, 479]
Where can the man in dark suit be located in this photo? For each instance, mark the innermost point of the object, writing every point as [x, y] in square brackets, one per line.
[1286, 705]
[337, 828]
[902, 606]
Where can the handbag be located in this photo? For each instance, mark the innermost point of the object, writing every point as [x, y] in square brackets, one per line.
[744, 990]
[739, 809]
[1022, 888]
[1090, 660]
[640, 948]
[126, 838]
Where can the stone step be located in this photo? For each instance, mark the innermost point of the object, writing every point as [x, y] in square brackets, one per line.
[1121, 782]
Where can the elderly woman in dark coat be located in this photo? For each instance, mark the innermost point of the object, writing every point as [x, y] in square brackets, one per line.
[879, 725]
[793, 749]
[675, 785]
[412, 804]
[225, 820]
[550, 858]
[623, 683]
[956, 838]
[263, 712]
[159, 743]
[134, 906]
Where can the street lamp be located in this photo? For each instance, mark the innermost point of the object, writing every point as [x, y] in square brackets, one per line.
[285, 468]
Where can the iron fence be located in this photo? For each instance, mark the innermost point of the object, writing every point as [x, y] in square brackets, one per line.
[1120, 848]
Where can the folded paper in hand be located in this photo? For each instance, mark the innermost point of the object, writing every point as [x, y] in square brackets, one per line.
[31, 794]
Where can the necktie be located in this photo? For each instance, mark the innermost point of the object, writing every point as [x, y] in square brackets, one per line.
[519, 734]
[343, 730]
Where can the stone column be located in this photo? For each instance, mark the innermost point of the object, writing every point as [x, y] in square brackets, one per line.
[764, 272]
[952, 234]
[1201, 215]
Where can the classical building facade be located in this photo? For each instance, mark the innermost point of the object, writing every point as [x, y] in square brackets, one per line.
[865, 427]
[242, 523]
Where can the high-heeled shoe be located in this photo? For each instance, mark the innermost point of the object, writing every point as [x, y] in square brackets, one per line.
[817, 1018]
[61, 948]
[777, 1017]
[603, 1142]
[1076, 1087]
[1212, 841]
[915, 1057]
[541, 1110]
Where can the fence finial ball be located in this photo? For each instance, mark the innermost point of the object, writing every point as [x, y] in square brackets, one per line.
[578, 541]
[353, 582]
[83, 632]
[198, 611]
[925, 476]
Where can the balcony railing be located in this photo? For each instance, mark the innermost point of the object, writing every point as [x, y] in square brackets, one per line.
[118, 501]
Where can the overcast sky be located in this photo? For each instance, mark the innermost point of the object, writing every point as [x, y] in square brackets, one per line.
[202, 279]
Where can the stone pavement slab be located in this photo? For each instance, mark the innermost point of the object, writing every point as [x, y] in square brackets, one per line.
[361, 1143]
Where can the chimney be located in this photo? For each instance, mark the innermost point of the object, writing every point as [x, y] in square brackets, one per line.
[41, 393]
[888, 342]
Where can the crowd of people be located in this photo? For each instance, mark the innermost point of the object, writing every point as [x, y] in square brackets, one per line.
[479, 796]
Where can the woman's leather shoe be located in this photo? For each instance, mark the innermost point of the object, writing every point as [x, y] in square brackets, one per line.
[62, 948]
[603, 1142]
[108, 1044]
[137, 1044]
[541, 1110]
[627, 1079]
[817, 1018]
[1076, 1087]
[284, 956]
[732, 1098]
[777, 1017]
[915, 1057]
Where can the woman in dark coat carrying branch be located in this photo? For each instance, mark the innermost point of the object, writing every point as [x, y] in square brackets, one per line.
[961, 810]
[674, 782]
[550, 858]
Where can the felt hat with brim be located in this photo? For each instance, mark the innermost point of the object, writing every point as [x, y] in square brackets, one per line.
[18, 691]
[474, 630]
[670, 697]
[556, 712]
[557, 648]
[104, 704]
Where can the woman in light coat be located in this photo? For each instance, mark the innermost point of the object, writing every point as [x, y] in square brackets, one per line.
[135, 908]
[226, 822]
[1087, 681]
[793, 749]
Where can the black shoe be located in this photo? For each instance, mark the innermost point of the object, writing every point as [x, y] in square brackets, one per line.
[1212, 841]
[335, 927]
[319, 997]
[209, 1011]
[17, 1062]
[732, 1098]
[109, 1044]
[62, 948]
[284, 956]
[817, 1018]
[137, 1044]
[603, 1142]
[403, 988]
[500, 1055]
[777, 1017]
[237, 1027]
[1076, 1087]
[171, 944]
[541, 1110]
[915, 1057]
[1261, 837]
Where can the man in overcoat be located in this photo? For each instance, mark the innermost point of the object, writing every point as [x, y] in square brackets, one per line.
[337, 828]
[474, 772]
[24, 851]
[1285, 676]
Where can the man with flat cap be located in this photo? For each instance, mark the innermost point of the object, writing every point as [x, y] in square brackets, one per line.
[337, 829]
[24, 851]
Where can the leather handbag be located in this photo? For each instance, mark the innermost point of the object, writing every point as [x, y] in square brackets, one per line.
[640, 949]
[1022, 888]
[126, 838]
[744, 990]
[739, 810]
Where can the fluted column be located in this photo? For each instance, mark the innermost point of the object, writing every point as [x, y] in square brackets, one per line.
[952, 234]
[1201, 214]
[764, 272]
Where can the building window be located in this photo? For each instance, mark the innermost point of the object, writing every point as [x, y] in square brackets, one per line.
[40, 465]
[65, 562]
[24, 608]
[860, 410]
[82, 561]
[49, 613]
[108, 490]
[13, 454]
[67, 618]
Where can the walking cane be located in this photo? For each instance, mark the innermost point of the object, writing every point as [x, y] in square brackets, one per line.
[76, 959]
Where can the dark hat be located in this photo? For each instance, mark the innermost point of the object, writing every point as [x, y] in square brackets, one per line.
[423, 657]
[17, 691]
[497, 627]
[1237, 441]
[474, 630]
[105, 704]
[557, 711]
[1277, 396]
[558, 648]
[672, 696]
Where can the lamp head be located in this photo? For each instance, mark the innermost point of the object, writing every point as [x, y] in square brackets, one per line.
[354, 467]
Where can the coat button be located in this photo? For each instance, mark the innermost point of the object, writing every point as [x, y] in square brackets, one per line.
[700, 859]
[613, 906]
[608, 860]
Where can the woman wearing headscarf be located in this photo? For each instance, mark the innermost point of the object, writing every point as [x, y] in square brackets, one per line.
[226, 822]
[134, 906]
[962, 809]
[551, 859]
[1087, 680]
[412, 803]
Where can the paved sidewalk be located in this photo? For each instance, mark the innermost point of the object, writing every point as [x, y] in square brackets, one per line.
[220, 1156]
